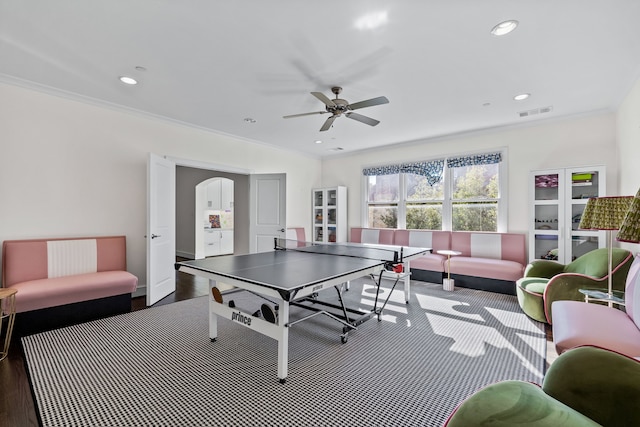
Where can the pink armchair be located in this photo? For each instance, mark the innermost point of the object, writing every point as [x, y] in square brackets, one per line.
[578, 323]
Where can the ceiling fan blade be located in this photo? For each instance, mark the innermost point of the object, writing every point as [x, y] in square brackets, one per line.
[321, 96]
[369, 103]
[327, 124]
[303, 114]
[363, 119]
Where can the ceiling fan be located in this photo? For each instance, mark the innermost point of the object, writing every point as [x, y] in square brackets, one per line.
[338, 106]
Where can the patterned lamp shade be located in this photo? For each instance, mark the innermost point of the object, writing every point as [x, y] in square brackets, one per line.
[605, 213]
[630, 229]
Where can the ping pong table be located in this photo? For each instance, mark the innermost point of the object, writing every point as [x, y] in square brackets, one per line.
[291, 274]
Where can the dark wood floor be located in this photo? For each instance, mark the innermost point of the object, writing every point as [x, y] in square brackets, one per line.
[16, 401]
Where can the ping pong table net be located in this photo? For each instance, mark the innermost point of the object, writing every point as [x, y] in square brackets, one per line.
[392, 257]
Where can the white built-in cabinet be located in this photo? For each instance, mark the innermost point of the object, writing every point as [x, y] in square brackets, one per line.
[220, 194]
[558, 198]
[329, 214]
[218, 242]
[218, 235]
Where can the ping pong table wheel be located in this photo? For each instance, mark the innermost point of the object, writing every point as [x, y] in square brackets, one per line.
[268, 313]
[345, 335]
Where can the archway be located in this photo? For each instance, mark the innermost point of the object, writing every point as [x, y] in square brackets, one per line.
[214, 217]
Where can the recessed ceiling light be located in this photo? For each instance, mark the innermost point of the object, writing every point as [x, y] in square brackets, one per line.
[372, 21]
[128, 80]
[522, 96]
[504, 27]
[249, 120]
[317, 141]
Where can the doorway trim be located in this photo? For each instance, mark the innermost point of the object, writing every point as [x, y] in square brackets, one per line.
[196, 164]
[200, 207]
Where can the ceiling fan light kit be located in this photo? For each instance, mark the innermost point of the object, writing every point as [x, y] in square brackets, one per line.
[338, 107]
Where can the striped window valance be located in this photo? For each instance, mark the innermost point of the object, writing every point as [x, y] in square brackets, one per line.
[431, 170]
[478, 159]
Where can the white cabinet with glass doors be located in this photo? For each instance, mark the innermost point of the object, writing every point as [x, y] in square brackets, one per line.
[329, 214]
[558, 198]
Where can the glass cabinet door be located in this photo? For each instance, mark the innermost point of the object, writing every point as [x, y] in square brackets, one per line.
[582, 184]
[558, 200]
[318, 215]
[548, 190]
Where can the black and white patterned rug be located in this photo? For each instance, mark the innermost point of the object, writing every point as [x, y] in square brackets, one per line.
[157, 367]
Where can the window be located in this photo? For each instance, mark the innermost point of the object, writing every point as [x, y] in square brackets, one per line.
[474, 198]
[383, 191]
[459, 194]
[423, 203]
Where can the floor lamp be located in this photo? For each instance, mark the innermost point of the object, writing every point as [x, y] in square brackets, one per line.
[630, 228]
[606, 213]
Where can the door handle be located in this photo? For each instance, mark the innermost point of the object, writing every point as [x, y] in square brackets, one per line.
[282, 230]
[153, 236]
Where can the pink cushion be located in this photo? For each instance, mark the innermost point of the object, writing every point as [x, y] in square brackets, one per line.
[23, 260]
[434, 239]
[430, 262]
[355, 235]
[42, 293]
[632, 291]
[296, 233]
[485, 267]
[577, 323]
[506, 246]
[383, 236]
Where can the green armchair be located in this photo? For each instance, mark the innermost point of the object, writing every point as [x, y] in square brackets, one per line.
[547, 281]
[585, 386]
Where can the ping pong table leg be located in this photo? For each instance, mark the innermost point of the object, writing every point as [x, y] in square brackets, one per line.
[283, 341]
[213, 317]
[407, 288]
[407, 282]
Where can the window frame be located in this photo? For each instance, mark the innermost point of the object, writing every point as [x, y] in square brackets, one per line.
[447, 202]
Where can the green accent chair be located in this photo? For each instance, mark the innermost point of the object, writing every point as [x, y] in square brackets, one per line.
[585, 386]
[547, 281]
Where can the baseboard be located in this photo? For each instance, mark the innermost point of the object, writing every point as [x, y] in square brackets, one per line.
[472, 282]
[426, 276]
[140, 291]
[185, 254]
[506, 287]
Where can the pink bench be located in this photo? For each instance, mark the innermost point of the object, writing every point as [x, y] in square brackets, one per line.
[488, 261]
[65, 281]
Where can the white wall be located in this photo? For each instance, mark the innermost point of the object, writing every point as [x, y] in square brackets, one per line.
[581, 141]
[629, 143]
[69, 168]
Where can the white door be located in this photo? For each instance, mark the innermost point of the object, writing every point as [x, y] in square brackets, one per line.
[161, 228]
[267, 210]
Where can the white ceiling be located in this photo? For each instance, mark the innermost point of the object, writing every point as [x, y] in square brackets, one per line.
[211, 64]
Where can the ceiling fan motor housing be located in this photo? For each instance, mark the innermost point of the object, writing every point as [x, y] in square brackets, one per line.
[342, 106]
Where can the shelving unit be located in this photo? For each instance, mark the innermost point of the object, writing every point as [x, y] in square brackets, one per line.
[329, 214]
[558, 198]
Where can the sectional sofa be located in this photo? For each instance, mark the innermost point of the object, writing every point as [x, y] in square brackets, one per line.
[487, 261]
